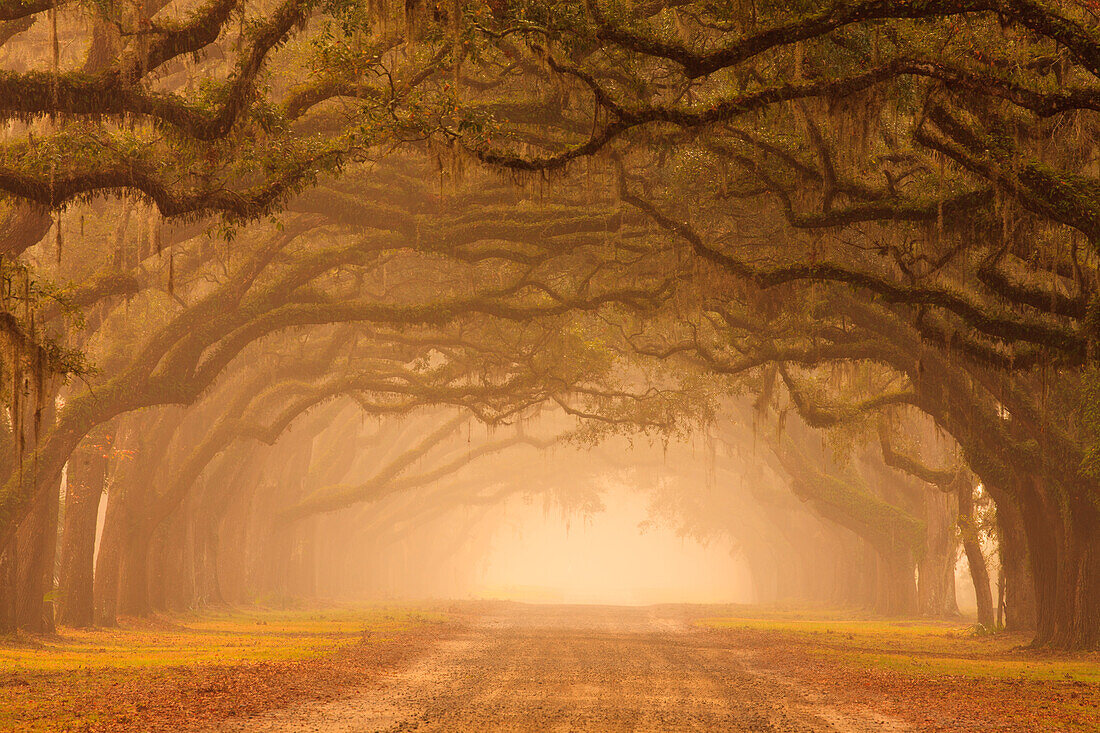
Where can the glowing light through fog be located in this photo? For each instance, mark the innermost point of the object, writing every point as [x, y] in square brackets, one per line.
[535, 556]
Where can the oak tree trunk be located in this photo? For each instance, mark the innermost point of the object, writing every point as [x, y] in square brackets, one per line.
[84, 491]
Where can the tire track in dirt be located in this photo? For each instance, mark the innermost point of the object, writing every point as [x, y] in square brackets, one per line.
[575, 668]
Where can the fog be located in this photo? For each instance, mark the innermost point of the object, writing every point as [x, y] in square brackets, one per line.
[617, 556]
[524, 513]
[535, 512]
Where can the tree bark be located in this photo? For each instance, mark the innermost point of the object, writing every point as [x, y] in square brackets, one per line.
[84, 491]
[896, 593]
[149, 439]
[936, 567]
[133, 576]
[975, 559]
[37, 549]
[9, 588]
[1076, 623]
[1020, 610]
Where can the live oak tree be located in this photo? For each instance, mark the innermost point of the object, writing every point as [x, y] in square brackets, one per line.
[923, 170]
[878, 216]
[495, 346]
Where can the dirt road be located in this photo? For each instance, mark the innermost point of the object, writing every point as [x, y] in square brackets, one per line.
[575, 668]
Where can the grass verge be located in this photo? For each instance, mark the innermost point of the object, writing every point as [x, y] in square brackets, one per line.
[936, 676]
[181, 671]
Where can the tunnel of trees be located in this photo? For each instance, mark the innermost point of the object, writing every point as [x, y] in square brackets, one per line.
[286, 283]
